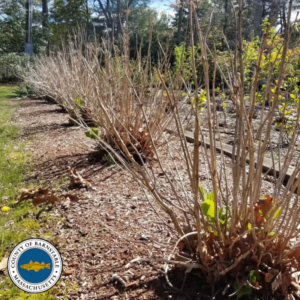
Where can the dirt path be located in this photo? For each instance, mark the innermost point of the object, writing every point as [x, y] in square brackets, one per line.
[90, 233]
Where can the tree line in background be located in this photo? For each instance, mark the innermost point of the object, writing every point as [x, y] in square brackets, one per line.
[55, 20]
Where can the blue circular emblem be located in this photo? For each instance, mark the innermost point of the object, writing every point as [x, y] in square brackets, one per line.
[34, 265]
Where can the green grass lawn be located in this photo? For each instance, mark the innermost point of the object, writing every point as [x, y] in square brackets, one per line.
[18, 223]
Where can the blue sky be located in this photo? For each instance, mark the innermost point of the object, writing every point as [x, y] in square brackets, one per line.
[162, 5]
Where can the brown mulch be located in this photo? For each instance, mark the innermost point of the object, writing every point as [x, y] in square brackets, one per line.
[110, 225]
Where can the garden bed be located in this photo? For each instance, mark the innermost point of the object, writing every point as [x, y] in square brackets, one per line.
[110, 225]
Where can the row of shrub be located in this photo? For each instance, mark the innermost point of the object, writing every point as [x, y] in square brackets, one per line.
[102, 88]
[238, 237]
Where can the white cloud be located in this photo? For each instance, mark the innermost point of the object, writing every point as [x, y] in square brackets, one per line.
[163, 6]
[293, 18]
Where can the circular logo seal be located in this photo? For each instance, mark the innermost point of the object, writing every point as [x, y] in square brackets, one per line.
[34, 265]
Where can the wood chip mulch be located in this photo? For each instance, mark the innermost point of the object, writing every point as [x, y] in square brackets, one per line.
[110, 225]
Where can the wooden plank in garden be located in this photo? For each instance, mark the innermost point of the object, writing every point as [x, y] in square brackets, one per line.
[228, 150]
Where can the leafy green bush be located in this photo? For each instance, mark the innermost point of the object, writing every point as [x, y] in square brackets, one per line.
[10, 63]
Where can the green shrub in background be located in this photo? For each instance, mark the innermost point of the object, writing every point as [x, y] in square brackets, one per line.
[9, 64]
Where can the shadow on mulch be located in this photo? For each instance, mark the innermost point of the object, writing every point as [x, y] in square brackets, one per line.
[45, 111]
[31, 131]
[31, 102]
[194, 288]
[92, 162]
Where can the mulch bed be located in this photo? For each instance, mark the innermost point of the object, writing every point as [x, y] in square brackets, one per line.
[110, 225]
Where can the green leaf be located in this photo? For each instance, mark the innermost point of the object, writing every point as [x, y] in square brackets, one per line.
[208, 208]
[211, 196]
[249, 226]
[243, 291]
[93, 134]
[79, 101]
[203, 192]
[277, 213]
[292, 96]
[222, 222]
[95, 130]
[254, 276]
[222, 215]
